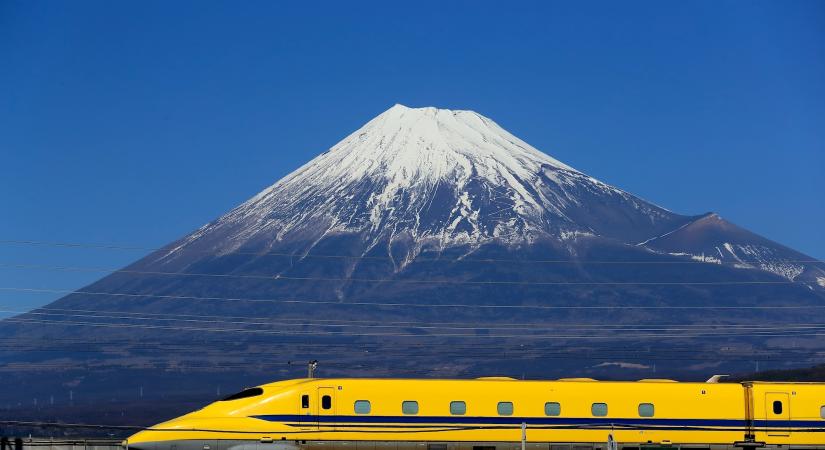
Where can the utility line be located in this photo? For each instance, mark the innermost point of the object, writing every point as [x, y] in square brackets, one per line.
[413, 351]
[339, 322]
[259, 365]
[333, 358]
[386, 258]
[401, 280]
[430, 326]
[409, 347]
[368, 346]
[473, 352]
[507, 353]
[375, 348]
[179, 365]
[414, 335]
[410, 305]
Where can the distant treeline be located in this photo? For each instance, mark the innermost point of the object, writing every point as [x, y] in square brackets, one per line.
[815, 373]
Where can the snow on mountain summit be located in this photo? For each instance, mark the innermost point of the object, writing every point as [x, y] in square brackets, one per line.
[435, 177]
[410, 146]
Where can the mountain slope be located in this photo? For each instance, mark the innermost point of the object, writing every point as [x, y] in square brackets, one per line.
[438, 178]
[715, 240]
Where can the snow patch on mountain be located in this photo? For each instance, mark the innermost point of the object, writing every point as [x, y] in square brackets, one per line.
[699, 258]
[751, 256]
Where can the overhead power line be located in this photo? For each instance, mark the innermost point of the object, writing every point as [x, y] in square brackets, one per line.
[373, 347]
[371, 368]
[294, 321]
[616, 328]
[240, 349]
[182, 357]
[387, 258]
[411, 305]
[612, 335]
[402, 280]
[241, 360]
[376, 349]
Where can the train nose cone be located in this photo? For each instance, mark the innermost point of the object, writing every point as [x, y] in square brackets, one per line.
[142, 446]
[148, 445]
[143, 441]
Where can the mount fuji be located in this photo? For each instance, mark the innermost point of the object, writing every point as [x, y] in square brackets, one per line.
[429, 242]
[427, 179]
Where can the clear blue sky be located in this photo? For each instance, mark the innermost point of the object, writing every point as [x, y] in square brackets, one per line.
[137, 122]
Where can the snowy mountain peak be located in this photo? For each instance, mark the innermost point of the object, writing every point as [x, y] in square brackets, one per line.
[432, 143]
[436, 177]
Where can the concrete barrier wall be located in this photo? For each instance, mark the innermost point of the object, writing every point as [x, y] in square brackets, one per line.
[59, 444]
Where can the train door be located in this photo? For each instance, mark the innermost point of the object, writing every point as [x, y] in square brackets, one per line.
[326, 408]
[777, 414]
[308, 411]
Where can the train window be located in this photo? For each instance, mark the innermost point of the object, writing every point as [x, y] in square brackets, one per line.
[599, 409]
[246, 393]
[777, 407]
[552, 409]
[326, 402]
[505, 408]
[458, 408]
[645, 409]
[822, 411]
[362, 407]
[305, 401]
[409, 407]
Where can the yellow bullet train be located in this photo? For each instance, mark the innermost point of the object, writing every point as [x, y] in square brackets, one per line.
[500, 414]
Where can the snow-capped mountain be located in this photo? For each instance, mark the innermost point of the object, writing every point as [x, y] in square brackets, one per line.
[437, 178]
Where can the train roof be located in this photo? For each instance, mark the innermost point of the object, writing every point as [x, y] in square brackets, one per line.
[509, 379]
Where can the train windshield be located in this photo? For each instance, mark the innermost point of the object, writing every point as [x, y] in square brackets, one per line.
[246, 393]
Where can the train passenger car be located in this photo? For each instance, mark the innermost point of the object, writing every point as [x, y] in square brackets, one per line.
[788, 413]
[499, 414]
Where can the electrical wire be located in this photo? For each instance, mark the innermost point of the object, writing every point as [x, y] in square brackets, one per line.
[376, 349]
[787, 333]
[228, 320]
[410, 305]
[383, 258]
[409, 348]
[239, 359]
[402, 280]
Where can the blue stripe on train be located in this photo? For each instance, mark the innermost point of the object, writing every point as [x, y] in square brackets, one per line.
[789, 423]
[435, 420]
[454, 420]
